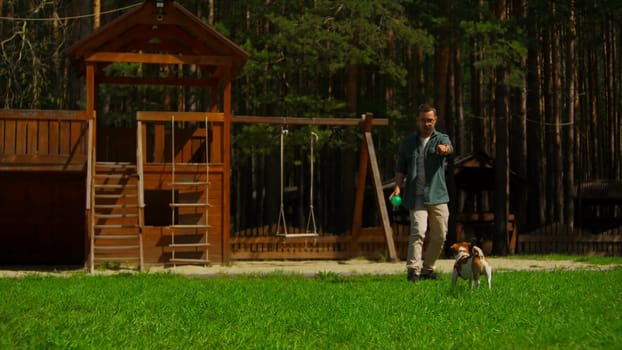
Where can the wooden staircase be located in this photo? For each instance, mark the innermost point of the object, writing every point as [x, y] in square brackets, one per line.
[116, 215]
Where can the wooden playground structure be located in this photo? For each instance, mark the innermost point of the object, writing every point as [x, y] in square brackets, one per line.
[166, 202]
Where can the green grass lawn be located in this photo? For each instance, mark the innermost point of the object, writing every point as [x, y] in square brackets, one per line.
[525, 310]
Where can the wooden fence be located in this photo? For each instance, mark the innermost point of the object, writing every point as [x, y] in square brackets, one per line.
[372, 244]
[560, 239]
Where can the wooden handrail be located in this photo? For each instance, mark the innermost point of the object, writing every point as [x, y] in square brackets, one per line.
[36, 114]
[306, 120]
[139, 164]
[89, 165]
[180, 116]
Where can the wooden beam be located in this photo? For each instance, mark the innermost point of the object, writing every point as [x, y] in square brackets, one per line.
[12, 161]
[226, 157]
[357, 218]
[38, 167]
[159, 58]
[91, 159]
[305, 121]
[368, 157]
[380, 201]
[165, 168]
[90, 88]
[38, 114]
[180, 116]
[174, 81]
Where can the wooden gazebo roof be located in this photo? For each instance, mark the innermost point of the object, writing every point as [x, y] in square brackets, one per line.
[160, 32]
[475, 172]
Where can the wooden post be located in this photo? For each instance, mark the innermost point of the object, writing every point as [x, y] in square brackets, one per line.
[226, 150]
[141, 192]
[357, 220]
[90, 112]
[369, 154]
[380, 201]
[159, 142]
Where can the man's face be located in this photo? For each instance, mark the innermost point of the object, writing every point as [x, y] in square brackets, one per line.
[426, 122]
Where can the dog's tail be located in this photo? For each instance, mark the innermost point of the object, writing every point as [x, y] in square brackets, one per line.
[476, 251]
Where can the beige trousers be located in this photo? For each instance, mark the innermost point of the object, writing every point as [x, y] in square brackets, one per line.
[438, 217]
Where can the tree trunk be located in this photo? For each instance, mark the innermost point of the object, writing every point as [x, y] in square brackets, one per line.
[500, 240]
[442, 65]
[610, 76]
[594, 128]
[481, 133]
[502, 115]
[453, 124]
[212, 12]
[569, 151]
[269, 182]
[97, 7]
[477, 94]
[518, 138]
[441, 83]
[557, 197]
[459, 136]
[2, 15]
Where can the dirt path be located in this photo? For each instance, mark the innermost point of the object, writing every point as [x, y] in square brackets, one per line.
[310, 268]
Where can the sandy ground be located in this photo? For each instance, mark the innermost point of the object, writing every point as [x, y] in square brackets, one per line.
[311, 268]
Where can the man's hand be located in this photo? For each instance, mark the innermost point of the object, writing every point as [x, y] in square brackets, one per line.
[443, 150]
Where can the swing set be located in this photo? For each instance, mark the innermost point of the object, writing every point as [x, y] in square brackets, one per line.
[311, 228]
[367, 160]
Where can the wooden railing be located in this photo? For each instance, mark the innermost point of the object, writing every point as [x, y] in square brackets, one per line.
[189, 142]
[43, 140]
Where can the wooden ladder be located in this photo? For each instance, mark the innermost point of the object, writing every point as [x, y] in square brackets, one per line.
[116, 216]
[189, 208]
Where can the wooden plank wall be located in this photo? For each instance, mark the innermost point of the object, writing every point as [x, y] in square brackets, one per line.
[157, 236]
[42, 218]
[38, 140]
[189, 147]
[119, 144]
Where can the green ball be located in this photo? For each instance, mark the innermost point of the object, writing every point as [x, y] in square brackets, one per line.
[396, 200]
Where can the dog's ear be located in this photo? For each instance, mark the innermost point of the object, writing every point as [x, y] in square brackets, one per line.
[454, 248]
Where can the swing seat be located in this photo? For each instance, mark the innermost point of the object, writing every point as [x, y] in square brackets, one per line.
[292, 235]
[293, 189]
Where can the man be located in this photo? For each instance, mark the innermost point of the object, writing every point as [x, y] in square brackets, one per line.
[420, 168]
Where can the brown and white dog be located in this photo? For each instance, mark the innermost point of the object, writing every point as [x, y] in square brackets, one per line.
[470, 264]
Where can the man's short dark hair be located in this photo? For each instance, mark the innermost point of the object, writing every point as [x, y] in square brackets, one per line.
[425, 108]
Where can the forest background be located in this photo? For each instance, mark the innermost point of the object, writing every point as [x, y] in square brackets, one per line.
[535, 84]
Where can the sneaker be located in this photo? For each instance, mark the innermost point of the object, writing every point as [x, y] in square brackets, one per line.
[412, 276]
[430, 276]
